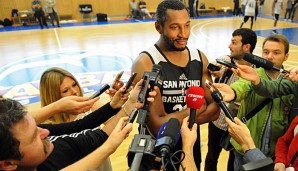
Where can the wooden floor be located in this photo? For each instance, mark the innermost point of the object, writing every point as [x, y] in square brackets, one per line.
[212, 36]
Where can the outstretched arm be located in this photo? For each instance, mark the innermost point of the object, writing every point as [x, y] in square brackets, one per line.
[129, 105]
[248, 73]
[189, 137]
[70, 104]
[98, 156]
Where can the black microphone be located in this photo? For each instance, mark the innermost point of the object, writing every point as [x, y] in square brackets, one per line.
[156, 80]
[216, 95]
[166, 143]
[100, 91]
[261, 62]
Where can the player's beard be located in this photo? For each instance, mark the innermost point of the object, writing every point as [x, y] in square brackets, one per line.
[171, 43]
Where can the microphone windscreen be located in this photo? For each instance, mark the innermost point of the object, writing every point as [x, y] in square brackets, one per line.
[195, 97]
[161, 130]
[258, 61]
[170, 129]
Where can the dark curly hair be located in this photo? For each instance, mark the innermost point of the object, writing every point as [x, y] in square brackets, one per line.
[161, 11]
[11, 112]
[248, 37]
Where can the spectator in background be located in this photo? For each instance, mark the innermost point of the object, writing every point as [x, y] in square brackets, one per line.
[144, 10]
[288, 10]
[135, 11]
[202, 6]
[261, 6]
[250, 10]
[257, 9]
[193, 7]
[52, 11]
[276, 7]
[236, 8]
[39, 13]
[294, 6]
[243, 7]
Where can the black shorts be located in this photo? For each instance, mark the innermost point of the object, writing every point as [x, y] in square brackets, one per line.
[276, 16]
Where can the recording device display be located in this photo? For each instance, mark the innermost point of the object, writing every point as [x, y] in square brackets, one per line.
[153, 78]
[217, 97]
[100, 91]
[194, 100]
[130, 81]
[261, 62]
[228, 64]
[213, 67]
[117, 78]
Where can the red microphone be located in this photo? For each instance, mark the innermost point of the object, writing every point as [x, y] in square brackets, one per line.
[194, 101]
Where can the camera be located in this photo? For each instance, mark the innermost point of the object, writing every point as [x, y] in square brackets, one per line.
[213, 67]
[142, 148]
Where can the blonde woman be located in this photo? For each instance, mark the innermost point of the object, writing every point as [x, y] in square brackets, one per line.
[56, 83]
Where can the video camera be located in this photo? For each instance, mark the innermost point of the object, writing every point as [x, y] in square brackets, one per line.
[141, 150]
[154, 154]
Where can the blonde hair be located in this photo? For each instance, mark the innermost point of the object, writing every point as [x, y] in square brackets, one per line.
[49, 88]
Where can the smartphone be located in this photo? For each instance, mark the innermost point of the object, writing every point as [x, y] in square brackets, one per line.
[130, 81]
[213, 67]
[117, 78]
[144, 89]
[210, 86]
[100, 91]
[228, 64]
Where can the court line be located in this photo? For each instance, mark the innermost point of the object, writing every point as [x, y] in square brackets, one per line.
[58, 40]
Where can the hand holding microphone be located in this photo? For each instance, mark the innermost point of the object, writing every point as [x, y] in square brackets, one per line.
[194, 100]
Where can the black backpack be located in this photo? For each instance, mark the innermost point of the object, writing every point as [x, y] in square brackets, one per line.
[7, 22]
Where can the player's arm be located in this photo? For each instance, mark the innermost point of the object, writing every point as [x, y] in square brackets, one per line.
[212, 111]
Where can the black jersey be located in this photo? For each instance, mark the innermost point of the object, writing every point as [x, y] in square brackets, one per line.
[176, 81]
[71, 148]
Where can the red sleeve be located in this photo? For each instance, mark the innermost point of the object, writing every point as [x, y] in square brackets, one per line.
[282, 145]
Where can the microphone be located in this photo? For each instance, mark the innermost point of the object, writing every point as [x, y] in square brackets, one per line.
[153, 78]
[100, 91]
[216, 95]
[157, 77]
[161, 132]
[261, 62]
[194, 100]
[170, 134]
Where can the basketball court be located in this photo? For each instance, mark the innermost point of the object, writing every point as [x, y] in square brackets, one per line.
[95, 52]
